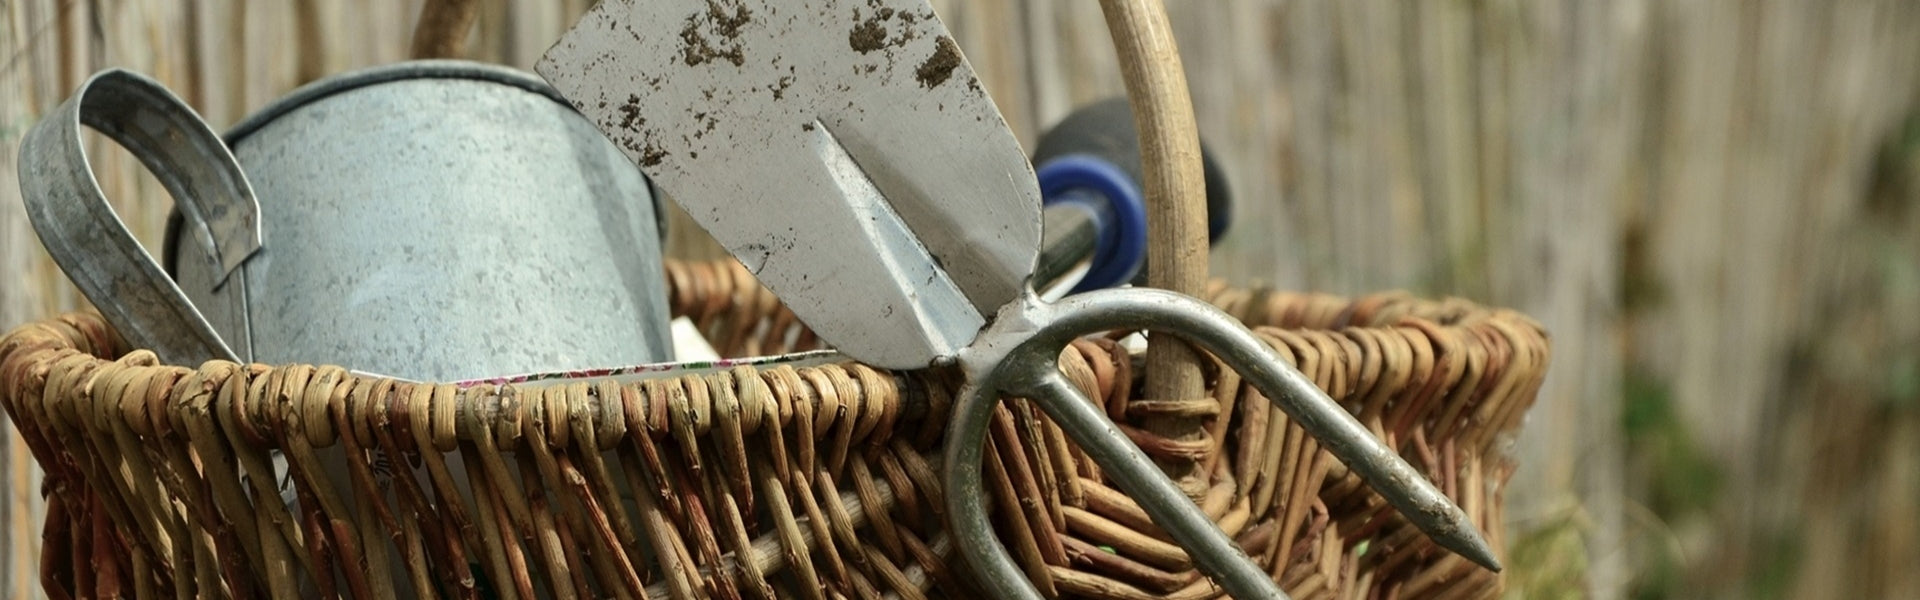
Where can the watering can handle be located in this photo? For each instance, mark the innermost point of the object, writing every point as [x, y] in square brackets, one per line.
[90, 243]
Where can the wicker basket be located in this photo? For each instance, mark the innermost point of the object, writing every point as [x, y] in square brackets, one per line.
[741, 481]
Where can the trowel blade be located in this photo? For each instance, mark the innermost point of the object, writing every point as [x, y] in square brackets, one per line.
[842, 149]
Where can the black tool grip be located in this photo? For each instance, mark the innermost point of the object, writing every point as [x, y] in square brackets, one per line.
[1105, 129]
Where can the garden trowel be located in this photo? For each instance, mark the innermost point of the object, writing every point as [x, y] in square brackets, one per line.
[844, 151]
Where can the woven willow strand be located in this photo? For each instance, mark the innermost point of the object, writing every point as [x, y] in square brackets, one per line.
[815, 482]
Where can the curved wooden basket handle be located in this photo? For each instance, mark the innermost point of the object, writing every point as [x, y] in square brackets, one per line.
[1175, 189]
[443, 27]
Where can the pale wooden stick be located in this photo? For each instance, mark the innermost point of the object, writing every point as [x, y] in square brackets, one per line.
[310, 38]
[1176, 220]
[442, 31]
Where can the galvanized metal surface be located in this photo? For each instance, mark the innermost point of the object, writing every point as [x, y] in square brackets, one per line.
[435, 220]
[832, 146]
[1016, 357]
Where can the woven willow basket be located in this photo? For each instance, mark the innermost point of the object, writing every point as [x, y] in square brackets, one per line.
[741, 482]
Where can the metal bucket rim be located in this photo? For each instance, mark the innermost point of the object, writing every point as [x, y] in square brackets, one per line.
[390, 73]
[347, 81]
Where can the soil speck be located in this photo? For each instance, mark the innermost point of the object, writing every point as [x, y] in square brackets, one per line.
[696, 49]
[652, 156]
[939, 67]
[867, 36]
[870, 34]
[728, 26]
[630, 113]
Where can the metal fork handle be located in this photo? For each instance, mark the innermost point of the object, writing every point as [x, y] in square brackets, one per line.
[1403, 486]
[1037, 376]
[1018, 356]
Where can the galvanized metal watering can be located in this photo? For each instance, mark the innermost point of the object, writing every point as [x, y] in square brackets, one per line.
[435, 220]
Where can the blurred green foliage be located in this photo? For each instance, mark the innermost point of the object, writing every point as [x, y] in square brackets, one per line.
[1662, 451]
[1549, 559]
[1673, 477]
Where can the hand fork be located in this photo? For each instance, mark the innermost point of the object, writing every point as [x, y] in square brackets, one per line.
[844, 151]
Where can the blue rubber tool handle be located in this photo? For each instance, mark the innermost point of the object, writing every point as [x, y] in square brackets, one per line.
[1113, 202]
[1091, 159]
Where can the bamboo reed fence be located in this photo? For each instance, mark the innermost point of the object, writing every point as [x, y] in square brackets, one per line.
[1713, 198]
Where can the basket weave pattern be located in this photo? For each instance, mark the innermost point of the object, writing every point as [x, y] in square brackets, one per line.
[813, 482]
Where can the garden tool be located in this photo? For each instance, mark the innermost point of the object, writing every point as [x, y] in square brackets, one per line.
[845, 153]
[433, 220]
[1088, 166]
[1090, 160]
